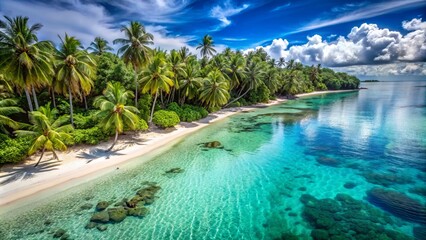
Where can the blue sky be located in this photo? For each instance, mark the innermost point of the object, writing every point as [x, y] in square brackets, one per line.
[380, 39]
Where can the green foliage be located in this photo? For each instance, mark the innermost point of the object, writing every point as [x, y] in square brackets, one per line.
[84, 122]
[144, 105]
[13, 150]
[260, 94]
[90, 136]
[188, 113]
[165, 119]
[142, 125]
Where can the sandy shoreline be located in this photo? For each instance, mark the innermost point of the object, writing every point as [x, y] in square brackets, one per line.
[20, 183]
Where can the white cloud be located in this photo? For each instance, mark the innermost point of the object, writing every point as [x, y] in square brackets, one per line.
[414, 24]
[369, 11]
[281, 7]
[226, 10]
[386, 71]
[364, 45]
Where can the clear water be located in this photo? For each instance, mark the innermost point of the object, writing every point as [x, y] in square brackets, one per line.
[246, 190]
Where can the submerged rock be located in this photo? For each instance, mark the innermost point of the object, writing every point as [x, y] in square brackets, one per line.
[213, 144]
[90, 225]
[349, 185]
[102, 227]
[86, 206]
[138, 211]
[175, 170]
[59, 233]
[102, 205]
[345, 218]
[327, 161]
[117, 214]
[398, 204]
[100, 217]
[418, 190]
[386, 179]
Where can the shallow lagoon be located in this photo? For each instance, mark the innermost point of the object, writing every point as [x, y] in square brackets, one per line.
[252, 187]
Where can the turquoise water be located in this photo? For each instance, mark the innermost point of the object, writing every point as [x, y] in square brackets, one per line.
[251, 188]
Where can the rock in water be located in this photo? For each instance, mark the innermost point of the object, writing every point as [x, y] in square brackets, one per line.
[100, 217]
[331, 162]
[102, 227]
[117, 214]
[398, 204]
[102, 205]
[59, 233]
[214, 144]
[349, 185]
[175, 170]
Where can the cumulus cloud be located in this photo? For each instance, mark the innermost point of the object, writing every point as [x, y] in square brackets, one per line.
[386, 71]
[364, 45]
[84, 21]
[223, 12]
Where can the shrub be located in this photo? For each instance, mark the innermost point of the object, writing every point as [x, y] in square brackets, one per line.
[260, 94]
[188, 113]
[142, 125]
[84, 122]
[144, 106]
[91, 136]
[165, 119]
[13, 150]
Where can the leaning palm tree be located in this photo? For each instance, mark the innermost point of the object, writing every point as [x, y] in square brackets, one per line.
[75, 70]
[206, 46]
[23, 59]
[155, 78]
[134, 49]
[99, 46]
[114, 113]
[47, 131]
[8, 107]
[215, 90]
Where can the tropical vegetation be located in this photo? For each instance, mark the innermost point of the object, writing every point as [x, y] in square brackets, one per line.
[102, 94]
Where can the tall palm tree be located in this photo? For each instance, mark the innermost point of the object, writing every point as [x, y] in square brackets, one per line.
[99, 46]
[281, 62]
[114, 112]
[215, 89]
[134, 49]
[23, 59]
[75, 70]
[155, 78]
[190, 82]
[184, 54]
[236, 70]
[8, 107]
[47, 131]
[206, 46]
[177, 68]
[271, 79]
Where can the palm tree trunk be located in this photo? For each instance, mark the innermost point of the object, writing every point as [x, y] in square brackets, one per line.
[30, 103]
[42, 153]
[236, 99]
[136, 87]
[55, 155]
[85, 102]
[35, 97]
[115, 141]
[53, 98]
[153, 106]
[71, 108]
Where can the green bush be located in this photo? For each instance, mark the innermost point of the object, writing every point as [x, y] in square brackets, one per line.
[84, 122]
[90, 136]
[142, 125]
[165, 119]
[188, 113]
[260, 94]
[144, 106]
[13, 150]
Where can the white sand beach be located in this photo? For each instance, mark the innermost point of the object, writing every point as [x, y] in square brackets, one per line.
[22, 183]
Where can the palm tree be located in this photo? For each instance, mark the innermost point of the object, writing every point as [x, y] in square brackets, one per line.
[190, 82]
[114, 112]
[47, 131]
[155, 78]
[134, 49]
[271, 79]
[99, 46]
[177, 68]
[24, 60]
[75, 70]
[236, 70]
[281, 62]
[206, 46]
[215, 90]
[184, 54]
[8, 107]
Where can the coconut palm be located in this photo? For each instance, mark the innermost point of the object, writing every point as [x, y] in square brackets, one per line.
[75, 70]
[155, 78]
[281, 62]
[99, 46]
[184, 54]
[134, 49]
[206, 46]
[236, 70]
[190, 82]
[215, 89]
[8, 107]
[47, 131]
[114, 112]
[23, 59]
[177, 68]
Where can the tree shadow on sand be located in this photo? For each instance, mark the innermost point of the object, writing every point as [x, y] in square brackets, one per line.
[96, 153]
[26, 171]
